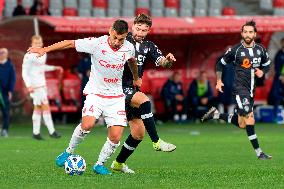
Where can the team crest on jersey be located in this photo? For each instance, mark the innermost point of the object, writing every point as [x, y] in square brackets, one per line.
[243, 54]
[146, 50]
[258, 52]
[128, 90]
[245, 101]
[246, 108]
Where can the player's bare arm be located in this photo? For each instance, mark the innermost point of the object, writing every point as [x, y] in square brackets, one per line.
[134, 69]
[66, 44]
[167, 62]
[219, 83]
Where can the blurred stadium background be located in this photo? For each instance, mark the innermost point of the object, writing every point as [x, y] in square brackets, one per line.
[197, 32]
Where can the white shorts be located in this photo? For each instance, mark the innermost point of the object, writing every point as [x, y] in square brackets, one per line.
[39, 96]
[113, 109]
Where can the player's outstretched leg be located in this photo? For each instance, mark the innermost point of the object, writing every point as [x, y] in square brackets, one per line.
[149, 122]
[78, 136]
[210, 114]
[163, 146]
[213, 113]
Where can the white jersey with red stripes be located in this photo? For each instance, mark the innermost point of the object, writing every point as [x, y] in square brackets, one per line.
[107, 64]
[33, 69]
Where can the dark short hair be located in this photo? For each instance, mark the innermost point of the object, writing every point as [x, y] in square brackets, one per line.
[250, 23]
[143, 19]
[120, 26]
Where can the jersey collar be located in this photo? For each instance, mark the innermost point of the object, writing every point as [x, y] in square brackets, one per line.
[248, 47]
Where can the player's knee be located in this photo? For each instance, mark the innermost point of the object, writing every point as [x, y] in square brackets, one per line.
[115, 138]
[87, 126]
[139, 98]
[138, 135]
[242, 125]
[250, 121]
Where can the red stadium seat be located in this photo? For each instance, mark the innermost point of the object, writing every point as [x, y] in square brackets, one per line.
[100, 4]
[53, 94]
[142, 10]
[261, 93]
[71, 95]
[278, 3]
[172, 4]
[45, 3]
[70, 12]
[228, 11]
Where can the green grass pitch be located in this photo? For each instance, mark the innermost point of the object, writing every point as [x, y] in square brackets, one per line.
[207, 156]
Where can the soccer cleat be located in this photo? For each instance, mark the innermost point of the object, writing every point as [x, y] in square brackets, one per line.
[209, 115]
[4, 133]
[121, 167]
[163, 146]
[101, 170]
[264, 156]
[60, 160]
[37, 137]
[55, 135]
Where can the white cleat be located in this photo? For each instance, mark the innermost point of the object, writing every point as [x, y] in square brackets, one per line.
[121, 167]
[163, 146]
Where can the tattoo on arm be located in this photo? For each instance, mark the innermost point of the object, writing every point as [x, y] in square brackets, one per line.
[133, 67]
[219, 75]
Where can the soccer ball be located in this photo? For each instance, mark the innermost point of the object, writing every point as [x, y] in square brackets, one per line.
[75, 165]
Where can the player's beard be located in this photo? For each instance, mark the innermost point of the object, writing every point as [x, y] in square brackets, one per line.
[138, 38]
[248, 40]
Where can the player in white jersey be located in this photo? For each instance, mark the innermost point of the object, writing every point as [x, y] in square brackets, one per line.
[33, 69]
[104, 88]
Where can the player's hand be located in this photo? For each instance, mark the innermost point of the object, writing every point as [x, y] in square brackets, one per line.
[259, 73]
[168, 61]
[179, 97]
[10, 95]
[204, 101]
[219, 86]
[39, 51]
[281, 78]
[59, 68]
[137, 83]
[30, 89]
[170, 57]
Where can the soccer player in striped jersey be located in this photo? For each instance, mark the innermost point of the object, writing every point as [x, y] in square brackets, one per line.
[250, 60]
[138, 106]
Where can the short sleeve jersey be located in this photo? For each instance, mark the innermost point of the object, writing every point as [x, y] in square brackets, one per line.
[33, 69]
[144, 51]
[107, 64]
[245, 61]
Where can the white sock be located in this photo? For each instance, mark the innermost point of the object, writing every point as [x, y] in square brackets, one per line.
[216, 115]
[230, 118]
[78, 136]
[258, 151]
[107, 150]
[36, 121]
[48, 121]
